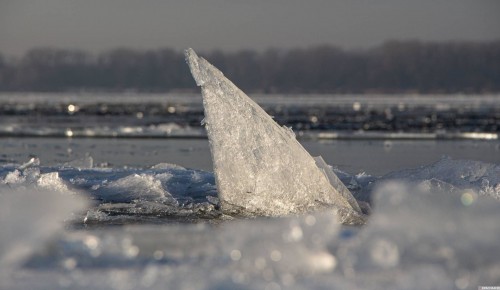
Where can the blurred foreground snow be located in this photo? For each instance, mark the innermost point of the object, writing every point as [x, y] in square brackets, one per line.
[434, 227]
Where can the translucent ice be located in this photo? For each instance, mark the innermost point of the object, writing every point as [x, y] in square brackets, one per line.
[82, 163]
[260, 167]
[51, 181]
[136, 186]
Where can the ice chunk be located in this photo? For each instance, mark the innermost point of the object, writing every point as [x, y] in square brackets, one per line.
[86, 162]
[259, 166]
[336, 183]
[136, 187]
[481, 177]
[14, 177]
[52, 181]
[32, 162]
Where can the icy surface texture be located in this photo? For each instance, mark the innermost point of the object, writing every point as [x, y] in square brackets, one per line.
[476, 177]
[452, 238]
[164, 193]
[418, 237]
[263, 251]
[260, 167]
[415, 240]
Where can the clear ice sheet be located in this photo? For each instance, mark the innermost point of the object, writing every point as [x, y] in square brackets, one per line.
[260, 167]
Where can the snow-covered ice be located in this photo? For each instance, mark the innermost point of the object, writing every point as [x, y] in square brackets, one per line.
[434, 227]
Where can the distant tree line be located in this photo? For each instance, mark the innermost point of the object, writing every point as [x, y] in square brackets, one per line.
[395, 66]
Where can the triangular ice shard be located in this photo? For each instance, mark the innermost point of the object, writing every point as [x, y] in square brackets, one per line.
[260, 167]
[337, 183]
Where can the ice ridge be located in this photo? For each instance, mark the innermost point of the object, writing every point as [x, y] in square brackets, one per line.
[259, 166]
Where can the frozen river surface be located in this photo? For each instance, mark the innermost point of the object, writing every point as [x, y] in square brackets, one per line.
[375, 157]
[133, 220]
[138, 208]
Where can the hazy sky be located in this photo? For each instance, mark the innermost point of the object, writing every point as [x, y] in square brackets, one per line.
[97, 25]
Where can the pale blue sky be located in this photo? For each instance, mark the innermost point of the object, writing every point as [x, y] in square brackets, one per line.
[97, 25]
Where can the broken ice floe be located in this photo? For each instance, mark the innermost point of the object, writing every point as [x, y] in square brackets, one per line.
[260, 168]
[416, 239]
